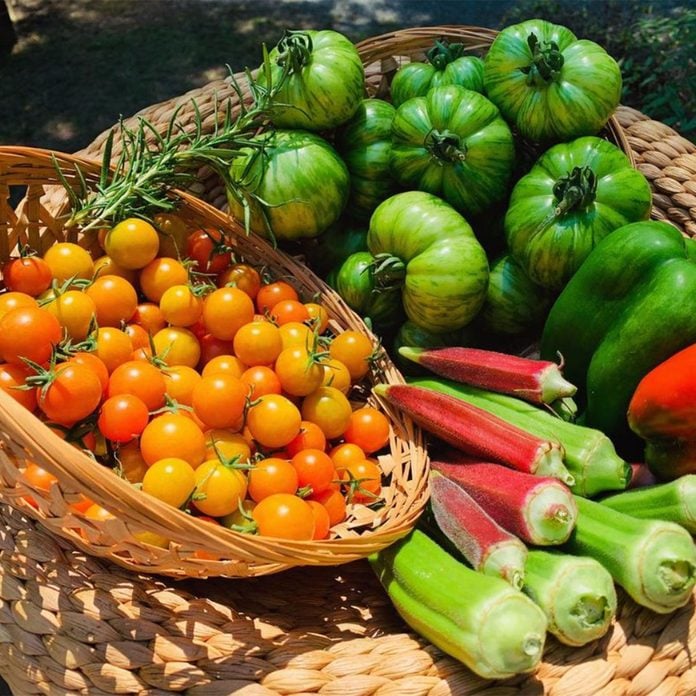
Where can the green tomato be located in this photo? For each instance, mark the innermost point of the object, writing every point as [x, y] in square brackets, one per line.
[453, 143]
[514, 304]
[355, 282]
[290, 185]
[574, 196]
[424, 244]
[333, 246]
[365, 145]
[446, 66]
[319, 77]
[551, 85]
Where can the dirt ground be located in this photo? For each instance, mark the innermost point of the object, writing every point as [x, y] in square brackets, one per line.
[79, 65]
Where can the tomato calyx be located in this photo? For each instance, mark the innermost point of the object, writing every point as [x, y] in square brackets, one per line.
[443, 53]
[171, 406]
[57, 289]
[547, 61]
[294, 50]
[389, 271]
[445, 145]
[576, 190]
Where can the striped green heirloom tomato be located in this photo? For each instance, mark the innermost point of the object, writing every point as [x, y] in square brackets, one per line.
[446, 65]
[288, 184]
[319, 78]
[574, 196]
[365, 145]
[453, 143]
[551, 85]
[424, 245]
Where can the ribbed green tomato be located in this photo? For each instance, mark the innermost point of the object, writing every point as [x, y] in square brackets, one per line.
[514, 304]
[294, 183]
[333, 246]
[354, 281]
[574, 196]
[548, 83]
[319, 77]
[453, 143]
[446, 66]
[423, 243]
[365, 145]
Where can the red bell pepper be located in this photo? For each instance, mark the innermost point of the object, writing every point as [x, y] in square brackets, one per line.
[663, 412]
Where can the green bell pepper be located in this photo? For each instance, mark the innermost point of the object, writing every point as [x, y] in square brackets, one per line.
[630, 305]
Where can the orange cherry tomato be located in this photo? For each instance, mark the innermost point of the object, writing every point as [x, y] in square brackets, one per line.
[138, 335]
[219, 488]
[315, 469]
[115, 299]
[141, 379]
[12, 382]
[273, 420]
[284, 516]
[170, 479]
[336, 375]
[114, 347]
[131, 462]
[225, 311]
[261, 380]
[221, 443]
[208, 250]
[176, 345]
[257, 343]
[329, 409]
[76, 312]
[334, 502]
[242, 276]
[354, 350]
[310, 436]
[271, 293]
[299, 372]
[318, 316]
[94, 363]
[296, 335]
[28, 332]
[172, 435]
[13, 300]
[322, 520]
[286, 311]
[123, 417]
[67, 260]
[181, 306]
[105, 265]
[161, 274]
[346, 453]
[271, 476]
[364, 480]
[224, 364]
[173, 233]
[28, 274]
[219, 401]
[132, 243]
[73, 393]
[368, 428]
[149, 316]
[180, 381]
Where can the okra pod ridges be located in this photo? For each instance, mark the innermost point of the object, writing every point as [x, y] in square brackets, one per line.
[674, 501]
[538, 381]
[576, 593]
[492, 628]
[485, 545]
[653, 560]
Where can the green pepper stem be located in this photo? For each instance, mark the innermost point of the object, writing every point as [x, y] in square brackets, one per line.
[547, 61]
[445, 145]
[575, 191]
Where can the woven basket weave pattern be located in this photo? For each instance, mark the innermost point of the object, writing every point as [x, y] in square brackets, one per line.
[72, 623]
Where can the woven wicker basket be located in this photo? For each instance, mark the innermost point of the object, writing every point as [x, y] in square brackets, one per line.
[24, 437]
[71, 623]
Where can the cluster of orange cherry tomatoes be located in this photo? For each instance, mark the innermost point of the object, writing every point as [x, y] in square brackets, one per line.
[200, 379]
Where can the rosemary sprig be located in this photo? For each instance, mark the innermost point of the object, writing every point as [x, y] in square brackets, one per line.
[151, 163]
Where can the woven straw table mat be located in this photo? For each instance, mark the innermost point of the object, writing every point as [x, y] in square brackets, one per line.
[72, 624]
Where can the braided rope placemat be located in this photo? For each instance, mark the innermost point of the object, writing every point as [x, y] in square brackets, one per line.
[73, 624]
